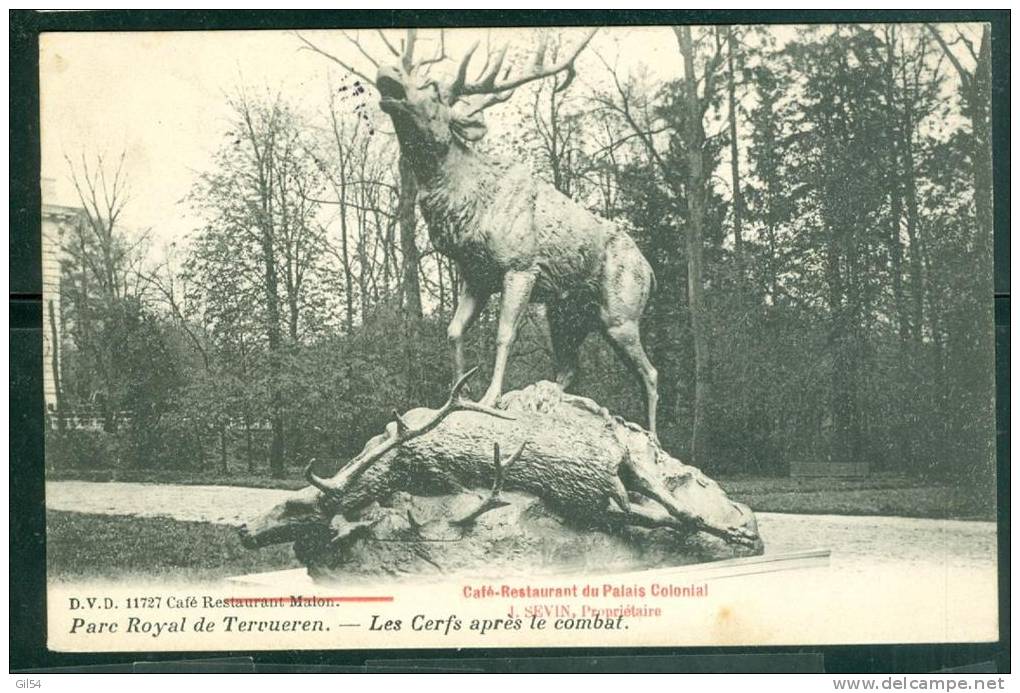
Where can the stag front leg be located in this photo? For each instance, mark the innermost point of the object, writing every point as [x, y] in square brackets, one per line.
[470, 303]
[517, 288]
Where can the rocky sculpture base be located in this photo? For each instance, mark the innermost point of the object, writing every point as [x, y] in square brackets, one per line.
[416, 536]
[583, 492]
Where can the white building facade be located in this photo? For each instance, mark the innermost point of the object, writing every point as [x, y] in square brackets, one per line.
[56, 220]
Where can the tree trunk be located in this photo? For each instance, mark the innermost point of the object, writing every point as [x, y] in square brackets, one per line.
[248, 452]
[917, 283]
[838, 343]
[223, 449]
[276, 465]
[345, 255]
[893, 181]
[694, 136]
[738, 196]
[199, 447]
[771, 192]
[246, 409]
[980, 113]
[409, 285]
[363, 263]
[292, 317]
[348, 273]
[55, 366]
[441, 277]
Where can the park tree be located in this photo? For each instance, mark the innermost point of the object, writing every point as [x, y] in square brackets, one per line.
[409, 52]
[99, 285]
[969, 348]
[683, 163]
[262, 231]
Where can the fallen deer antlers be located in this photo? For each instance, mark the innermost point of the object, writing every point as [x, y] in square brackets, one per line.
[400, 434]
[493, 500]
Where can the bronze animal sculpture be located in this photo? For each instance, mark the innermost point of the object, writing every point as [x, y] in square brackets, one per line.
[511, 233]
[589, 471]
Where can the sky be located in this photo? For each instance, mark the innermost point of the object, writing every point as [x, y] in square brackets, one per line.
[160, 97]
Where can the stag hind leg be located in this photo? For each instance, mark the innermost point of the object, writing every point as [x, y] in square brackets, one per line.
[569, 326]
[626, 287]
[626, 340]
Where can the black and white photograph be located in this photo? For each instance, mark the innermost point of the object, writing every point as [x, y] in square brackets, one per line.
[518, 336]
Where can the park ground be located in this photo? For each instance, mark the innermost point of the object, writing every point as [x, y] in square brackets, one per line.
[873, 495]
[183, 527]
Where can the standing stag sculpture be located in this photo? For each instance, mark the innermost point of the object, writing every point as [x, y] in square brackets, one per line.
[511, 233]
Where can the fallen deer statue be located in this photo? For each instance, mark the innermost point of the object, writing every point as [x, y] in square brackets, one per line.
[433, 494]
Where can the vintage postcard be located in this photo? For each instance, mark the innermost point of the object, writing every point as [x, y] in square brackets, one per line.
[518, 337]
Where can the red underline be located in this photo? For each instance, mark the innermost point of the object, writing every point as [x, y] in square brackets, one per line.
[231, 601]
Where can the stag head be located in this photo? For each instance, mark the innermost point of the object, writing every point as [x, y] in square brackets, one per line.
[304, 512]
[430, 113]
[425, 116]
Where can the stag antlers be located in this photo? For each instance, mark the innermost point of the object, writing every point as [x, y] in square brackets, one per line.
[489, 84]
[398, 435]
[497, 89]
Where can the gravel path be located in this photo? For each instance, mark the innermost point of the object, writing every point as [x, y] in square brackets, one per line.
[878, 539]
[229, 505]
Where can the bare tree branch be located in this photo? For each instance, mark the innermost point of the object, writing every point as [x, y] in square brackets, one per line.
[386, 41]
[361, 49]
[315, 49]
[965, 77]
